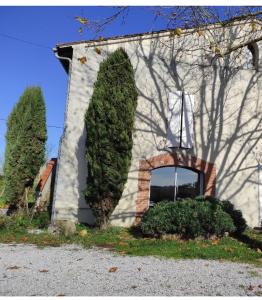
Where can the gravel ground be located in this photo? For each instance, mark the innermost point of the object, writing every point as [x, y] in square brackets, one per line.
[70, 270]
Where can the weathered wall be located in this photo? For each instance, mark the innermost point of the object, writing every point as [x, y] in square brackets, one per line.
[227, 119]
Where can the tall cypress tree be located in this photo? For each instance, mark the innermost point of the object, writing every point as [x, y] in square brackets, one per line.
[25, 145]
[109, 122]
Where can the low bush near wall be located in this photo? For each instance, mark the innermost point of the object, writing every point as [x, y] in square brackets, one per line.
[19, 221]
[228, 207]
[236, 215]
[188, 218]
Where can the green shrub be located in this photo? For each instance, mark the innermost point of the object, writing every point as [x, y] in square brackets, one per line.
[15, 222]
[236, 215]
[188, 218]
[4, 222]
[21, 221]
[41, 220]
[228, 207]
[154, 220]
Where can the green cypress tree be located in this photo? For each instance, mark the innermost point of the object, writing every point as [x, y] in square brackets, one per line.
[25, 145]
[109, 122]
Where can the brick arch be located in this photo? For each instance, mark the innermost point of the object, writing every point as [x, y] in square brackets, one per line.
[171, 159]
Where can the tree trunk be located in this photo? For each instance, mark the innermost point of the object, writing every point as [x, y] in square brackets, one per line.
[103, 222]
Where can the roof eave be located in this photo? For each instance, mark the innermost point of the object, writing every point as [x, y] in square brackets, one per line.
[63, 54]
[153, 34]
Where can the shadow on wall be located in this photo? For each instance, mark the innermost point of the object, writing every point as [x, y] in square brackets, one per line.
[227, 119]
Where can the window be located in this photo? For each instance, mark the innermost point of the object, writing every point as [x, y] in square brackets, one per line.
[174, 183]
[180, 120]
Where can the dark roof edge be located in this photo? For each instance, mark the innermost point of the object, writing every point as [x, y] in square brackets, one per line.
[155, 33]
[116, 37]
[64, 55]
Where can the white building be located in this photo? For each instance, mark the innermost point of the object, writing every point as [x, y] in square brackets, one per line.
[184, 81]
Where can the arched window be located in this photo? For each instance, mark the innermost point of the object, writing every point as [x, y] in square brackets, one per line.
[174, 183]
[252, 56]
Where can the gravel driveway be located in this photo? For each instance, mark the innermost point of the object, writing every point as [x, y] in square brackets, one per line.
[73, 271]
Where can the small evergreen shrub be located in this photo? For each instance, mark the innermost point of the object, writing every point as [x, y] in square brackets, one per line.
[228, 207]
[188, 218]
[41, 220]
[18, 221]
[236, 215]
[21, 221]
[4, 222]
[154, 221]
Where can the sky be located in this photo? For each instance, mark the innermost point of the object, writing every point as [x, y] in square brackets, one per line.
[24, 64]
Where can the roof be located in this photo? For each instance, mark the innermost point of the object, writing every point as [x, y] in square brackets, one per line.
[66, 50]
[116, 37]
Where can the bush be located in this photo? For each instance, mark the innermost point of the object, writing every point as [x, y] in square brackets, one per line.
[229, 208]
[4, 222]
[21, 221]
[188, 218]
[41, 220]
[15, 222]
[154, 221]
[236, 215]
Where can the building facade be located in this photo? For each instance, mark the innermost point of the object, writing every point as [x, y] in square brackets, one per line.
[197, 127]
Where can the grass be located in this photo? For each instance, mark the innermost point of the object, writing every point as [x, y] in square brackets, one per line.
[127, 242]
[3, 203]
